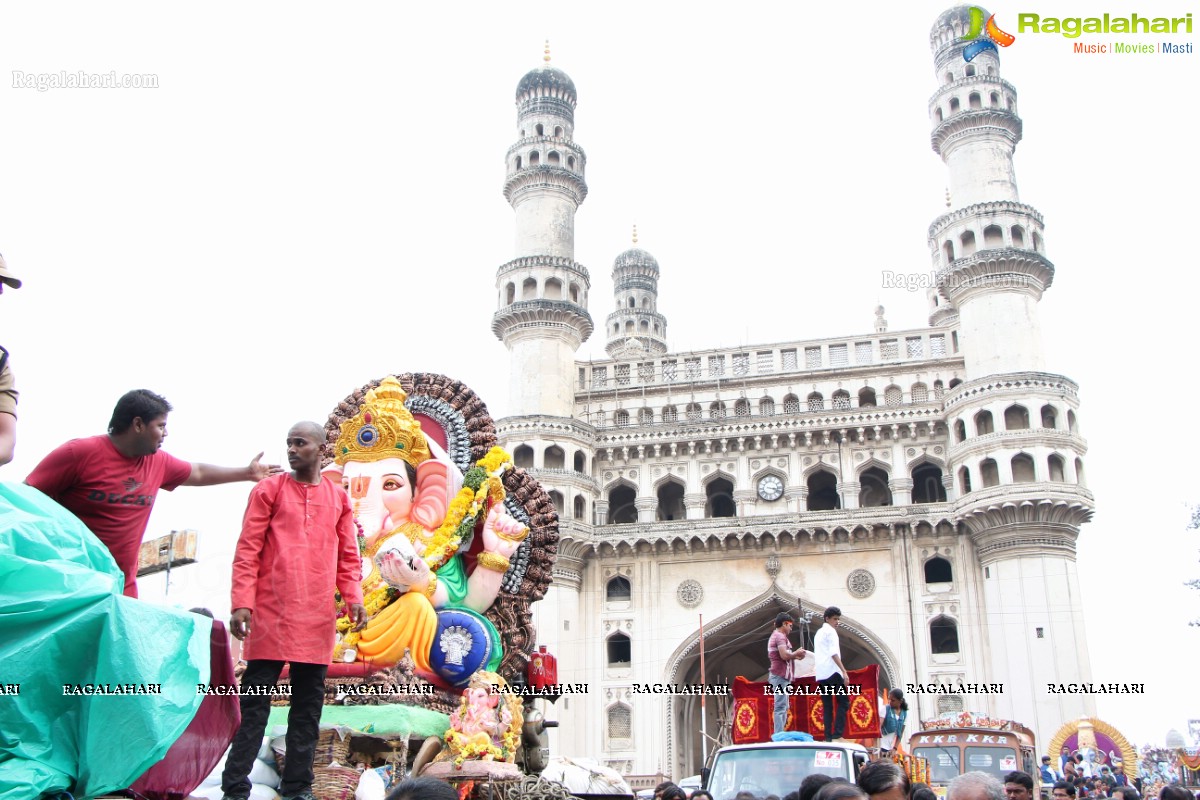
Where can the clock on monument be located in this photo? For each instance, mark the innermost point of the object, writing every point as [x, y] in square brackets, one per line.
[770, 487]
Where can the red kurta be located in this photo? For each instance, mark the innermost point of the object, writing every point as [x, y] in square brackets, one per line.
[298, 542]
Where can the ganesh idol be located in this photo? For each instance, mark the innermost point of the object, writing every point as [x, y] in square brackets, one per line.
[417, 514]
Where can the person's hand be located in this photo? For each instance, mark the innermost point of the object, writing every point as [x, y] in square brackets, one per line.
[400, 575]
[358, 616]
[239, 623]
[799, 654]
[502, 534]
[259, 471]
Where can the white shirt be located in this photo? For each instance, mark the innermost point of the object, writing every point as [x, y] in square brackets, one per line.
[827, 646]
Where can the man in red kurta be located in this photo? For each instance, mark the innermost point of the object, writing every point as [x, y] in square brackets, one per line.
[110, 481]
[298, 543]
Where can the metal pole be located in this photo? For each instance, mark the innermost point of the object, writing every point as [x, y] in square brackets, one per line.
[170, 555]
[703, 709]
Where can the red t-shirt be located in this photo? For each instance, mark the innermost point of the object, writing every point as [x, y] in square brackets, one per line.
[112, 495]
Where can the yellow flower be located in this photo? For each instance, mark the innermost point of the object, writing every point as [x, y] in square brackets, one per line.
[496, 459]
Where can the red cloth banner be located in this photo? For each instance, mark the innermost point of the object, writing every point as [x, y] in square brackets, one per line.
[753, 709]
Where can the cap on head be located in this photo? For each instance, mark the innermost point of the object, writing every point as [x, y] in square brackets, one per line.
[6, 276]
[783, 617]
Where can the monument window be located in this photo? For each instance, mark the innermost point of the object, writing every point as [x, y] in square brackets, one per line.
[983, 423]
[618, 590]
[873, 489]
[1049, 417]
[554, 457]
[938, 570]
[766, 407]
[866, 397]
[621, 508]
[1057, 468]
[557, 499]
[989, 473]
[1022, 468]
[964, 480]
[580, 508]
[993, 236]
[943, 636]
[841, 400]
[968, 243]
[719, 503]
[1016, 418]
[927, 484]
[620, 651]
[960, 431]
[579, 461]
[920, 393]
[822, 492]
[791, 404]
[670, 502]
[669, 414]
[816, 402]
[523, 456]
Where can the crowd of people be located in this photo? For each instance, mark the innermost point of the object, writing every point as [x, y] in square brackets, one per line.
[887, 780]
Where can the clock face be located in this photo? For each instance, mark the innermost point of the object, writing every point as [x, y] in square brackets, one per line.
[770, 488]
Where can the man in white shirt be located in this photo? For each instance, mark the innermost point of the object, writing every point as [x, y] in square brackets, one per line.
[830, 674]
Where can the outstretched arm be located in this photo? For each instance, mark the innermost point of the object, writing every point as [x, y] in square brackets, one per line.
[209, 475]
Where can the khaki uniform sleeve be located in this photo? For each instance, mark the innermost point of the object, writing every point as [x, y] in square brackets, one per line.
[8, 391]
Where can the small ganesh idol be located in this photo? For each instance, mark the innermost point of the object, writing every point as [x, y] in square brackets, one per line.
[417, 514]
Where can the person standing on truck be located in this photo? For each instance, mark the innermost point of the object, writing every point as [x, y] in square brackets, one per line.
[831, 674]
[781, 656]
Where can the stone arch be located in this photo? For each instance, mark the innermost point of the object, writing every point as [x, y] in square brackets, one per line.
[718, 492]
[622, 496]
[523, 456]
[670, 491]
[860, 647]
[554, 457]
[873, 479]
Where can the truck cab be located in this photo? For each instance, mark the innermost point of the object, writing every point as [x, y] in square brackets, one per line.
[778, 767]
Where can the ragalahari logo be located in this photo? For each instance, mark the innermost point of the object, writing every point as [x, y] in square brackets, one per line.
[992, 35]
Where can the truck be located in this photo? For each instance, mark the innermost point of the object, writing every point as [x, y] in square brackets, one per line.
[778, 767]
[967, 742]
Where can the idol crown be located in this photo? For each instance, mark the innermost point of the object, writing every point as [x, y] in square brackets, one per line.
[383, 428]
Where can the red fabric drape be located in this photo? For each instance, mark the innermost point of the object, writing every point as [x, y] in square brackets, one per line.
[195, 754]
[753, 709]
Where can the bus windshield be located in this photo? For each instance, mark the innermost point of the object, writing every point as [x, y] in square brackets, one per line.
[995, 761]
[774, 770]
[943, 763]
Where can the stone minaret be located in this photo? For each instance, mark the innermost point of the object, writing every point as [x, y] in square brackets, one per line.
[1015, 452]
[636, 326]
[988, 250]
[542, 316]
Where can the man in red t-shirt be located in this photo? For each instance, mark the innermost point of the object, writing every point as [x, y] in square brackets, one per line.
[110, 482]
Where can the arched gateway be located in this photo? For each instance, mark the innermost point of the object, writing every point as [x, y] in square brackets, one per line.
[735, 643]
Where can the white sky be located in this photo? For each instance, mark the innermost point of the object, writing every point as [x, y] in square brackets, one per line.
[312, 198]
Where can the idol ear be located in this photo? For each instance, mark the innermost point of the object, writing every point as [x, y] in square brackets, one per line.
[333, 472]
[431, 499]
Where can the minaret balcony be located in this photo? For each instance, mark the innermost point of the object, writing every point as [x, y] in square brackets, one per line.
[531, 264]
[970, 124]
[1004, 269]
[544, 179]
[543, 314]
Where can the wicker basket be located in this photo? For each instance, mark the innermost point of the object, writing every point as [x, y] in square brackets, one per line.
[334, 783]
[331, 747]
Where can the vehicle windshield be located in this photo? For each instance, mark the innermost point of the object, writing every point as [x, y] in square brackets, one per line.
[995, 761]
[943, 763]
[773, 770]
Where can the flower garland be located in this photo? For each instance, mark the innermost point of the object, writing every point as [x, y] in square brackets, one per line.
[480, 484]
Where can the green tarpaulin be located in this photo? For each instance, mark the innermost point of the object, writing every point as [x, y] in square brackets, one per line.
[65, 623]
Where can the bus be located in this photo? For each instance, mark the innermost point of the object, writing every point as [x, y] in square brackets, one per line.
[969, 742]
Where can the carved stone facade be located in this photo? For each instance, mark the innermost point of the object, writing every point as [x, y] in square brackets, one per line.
[929, 482]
